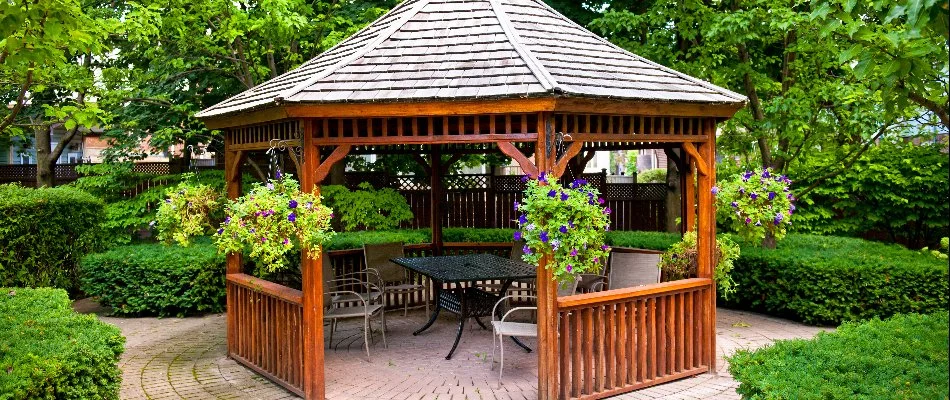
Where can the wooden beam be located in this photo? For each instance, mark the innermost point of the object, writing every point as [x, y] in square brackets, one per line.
[437, 139]
[321, 171]
[312, 276]
[637, 137]
[701, 164]
[655, 108]
[706, 241]
[571, 152]
[246, 118]
[436, 196]
[526, 165]
[548, 367]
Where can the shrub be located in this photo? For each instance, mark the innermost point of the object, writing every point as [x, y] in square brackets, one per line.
[643, 240]
[44, 233]
[472, 235]
[656, 175]
[904, 357]
[355, 240]
[367, 208]
[681, 261]
[48, 351]
[154, 279]
[827, 280]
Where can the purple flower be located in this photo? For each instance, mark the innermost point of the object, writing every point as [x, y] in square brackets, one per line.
[604, 247]
[734, 204]
[601, 201]
[573, 252]
[526, 249]
[563, 229]
[292, 204]
[541, 177]
[278, 175]
[263, 239]
[309, 205]
[715, 190]
[251, 230]
[771, 196]
[524, 178]
[748, 220]
[169, 201]
[523, 219]
[791, 207]
[517, 205]
[552, 193]
[570, 224]
[596, 259]
[790, 197]
[220, 230]
[569, 268]
[292, 217]
[607, 211]
[753, 195]
[564, 196]
[766, 174]
[332, 215]
[778, 219]
[227, 220]
[286, 241]
[271, 212]
[746, 176]
[517, 236]
[544, 237]
[741, 190]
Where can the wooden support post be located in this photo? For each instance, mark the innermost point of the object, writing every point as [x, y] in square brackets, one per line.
[313, 358]
[548, 369]
[437, 196]
[688, 182]
[706, 239]
[232, 172]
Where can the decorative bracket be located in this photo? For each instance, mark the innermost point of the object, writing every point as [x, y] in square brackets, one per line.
[572, 151]
[294, 148]
[700, 162]
[324, 168]
[526, 165]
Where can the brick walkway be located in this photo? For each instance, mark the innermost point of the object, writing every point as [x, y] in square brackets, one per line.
[175, 358]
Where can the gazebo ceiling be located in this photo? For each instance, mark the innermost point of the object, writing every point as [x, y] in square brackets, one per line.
[448, 51]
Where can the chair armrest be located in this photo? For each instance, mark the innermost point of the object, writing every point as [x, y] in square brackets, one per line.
[501, 300]
[517, 309]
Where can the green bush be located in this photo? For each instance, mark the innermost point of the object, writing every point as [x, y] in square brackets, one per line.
[827, 280]
[643, 240]
[656, 175]
[44, 233]
[155, 279]
[48, 351]
[355, 240]
[367, 208]
[904, 357]
[470, 235]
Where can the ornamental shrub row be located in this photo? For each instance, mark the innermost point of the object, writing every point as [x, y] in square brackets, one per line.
[904, 357]
[155, 279]
[44, 233]
[48, 351]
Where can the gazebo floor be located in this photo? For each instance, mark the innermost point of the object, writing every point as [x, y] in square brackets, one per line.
[184, 358]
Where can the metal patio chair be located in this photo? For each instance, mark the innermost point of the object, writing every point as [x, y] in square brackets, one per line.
[335, 308]
[629, 270]
[392, 278]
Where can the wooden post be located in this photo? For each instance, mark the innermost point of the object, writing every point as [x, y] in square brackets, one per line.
[232, 172]
[706, 238]
[548, 375]
[437, 195]
[313, 360]
[688, 219]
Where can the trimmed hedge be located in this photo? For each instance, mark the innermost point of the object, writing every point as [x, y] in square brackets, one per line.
[904, 357]
[155, 279]
[828, 280]
[44, 233]
[48, 351]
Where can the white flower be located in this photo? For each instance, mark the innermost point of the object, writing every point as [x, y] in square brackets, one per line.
[530, 227]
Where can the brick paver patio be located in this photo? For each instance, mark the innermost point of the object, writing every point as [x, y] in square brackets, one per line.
[184, 358]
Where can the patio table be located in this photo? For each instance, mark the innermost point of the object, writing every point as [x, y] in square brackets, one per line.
[466, 302]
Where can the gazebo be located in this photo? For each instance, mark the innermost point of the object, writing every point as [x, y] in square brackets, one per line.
[439, 77]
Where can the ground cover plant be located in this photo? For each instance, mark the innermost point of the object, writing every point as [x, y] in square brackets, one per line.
[904, 357]
[44, 233]
[48, 351]
[157, 279]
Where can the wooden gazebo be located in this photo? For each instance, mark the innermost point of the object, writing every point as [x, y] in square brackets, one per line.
[444, 76]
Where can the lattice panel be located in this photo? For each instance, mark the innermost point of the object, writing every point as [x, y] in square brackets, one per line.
[413, 183]
[509, 183]
[627, 125]
[152, 168]
[651, 191]
[264, 133]
[340, 129]
[466, 182]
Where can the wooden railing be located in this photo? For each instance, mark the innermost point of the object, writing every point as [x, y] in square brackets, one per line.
[265, 329]
[622, 340]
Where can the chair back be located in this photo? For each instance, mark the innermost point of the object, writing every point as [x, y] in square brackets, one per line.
[568, 288]
[633, 269]
[377, 257]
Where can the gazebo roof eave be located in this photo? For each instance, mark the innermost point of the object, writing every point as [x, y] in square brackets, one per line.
[474, 106]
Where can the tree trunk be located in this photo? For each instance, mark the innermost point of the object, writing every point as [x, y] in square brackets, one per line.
[769, 242]
[44, 163]
[338, 173]
[673, 195]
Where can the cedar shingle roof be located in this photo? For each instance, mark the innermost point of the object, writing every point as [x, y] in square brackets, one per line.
[474, 49]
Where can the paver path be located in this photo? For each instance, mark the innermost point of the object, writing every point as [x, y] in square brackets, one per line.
[184, 358]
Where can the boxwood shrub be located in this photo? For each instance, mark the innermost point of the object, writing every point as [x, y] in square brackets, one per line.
[44, 233]
[48, 351]
[155, 279]
[904, 357]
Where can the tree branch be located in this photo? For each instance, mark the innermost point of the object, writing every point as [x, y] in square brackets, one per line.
[20, 100]
[942, 112]
[848, 164]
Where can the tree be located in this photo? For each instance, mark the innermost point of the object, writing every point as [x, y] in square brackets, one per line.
[49, 52]
[802, 98]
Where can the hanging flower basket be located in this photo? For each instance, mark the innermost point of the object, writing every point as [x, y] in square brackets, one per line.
[186, 212]
[570, 223]
[681, 261]
[272, 220]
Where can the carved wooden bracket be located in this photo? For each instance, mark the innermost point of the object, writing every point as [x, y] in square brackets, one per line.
[324, 169]
[700, 161]
[572, 151]
[526, 165]
[233, 168]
